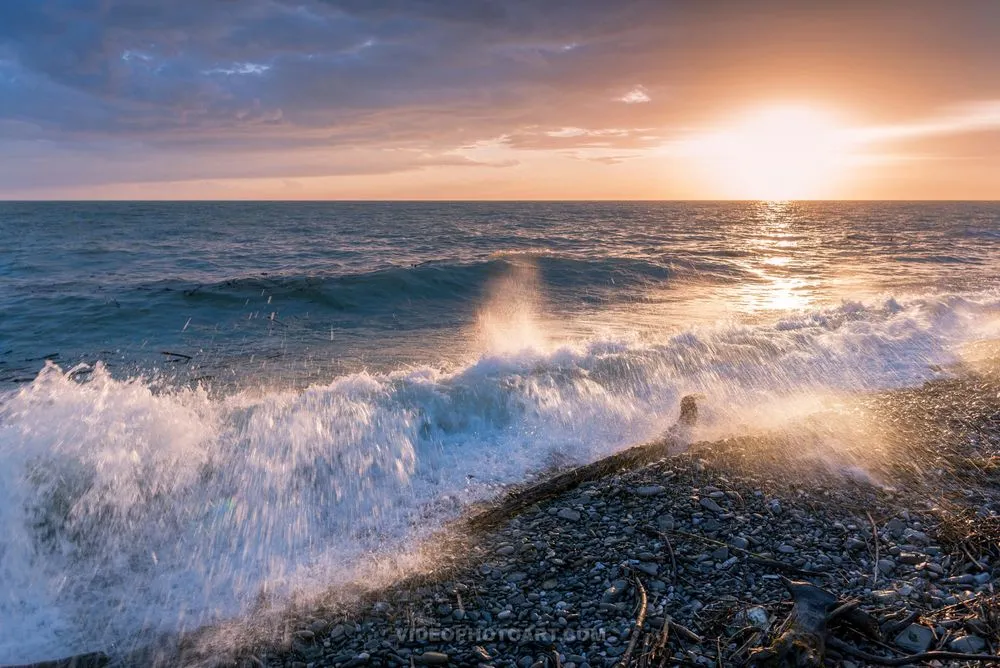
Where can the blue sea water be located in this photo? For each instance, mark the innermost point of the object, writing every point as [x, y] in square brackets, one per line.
[206, 403]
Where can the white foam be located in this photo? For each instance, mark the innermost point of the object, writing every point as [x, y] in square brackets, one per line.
[126, 507]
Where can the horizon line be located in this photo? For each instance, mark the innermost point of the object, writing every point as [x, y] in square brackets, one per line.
[486, 201]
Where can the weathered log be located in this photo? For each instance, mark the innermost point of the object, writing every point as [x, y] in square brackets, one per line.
[92, 660]
[633, 458]
[803, 645]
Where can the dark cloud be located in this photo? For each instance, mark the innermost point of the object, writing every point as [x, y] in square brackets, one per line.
[256, 75]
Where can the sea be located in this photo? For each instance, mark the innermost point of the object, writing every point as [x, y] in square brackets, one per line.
[208, 407]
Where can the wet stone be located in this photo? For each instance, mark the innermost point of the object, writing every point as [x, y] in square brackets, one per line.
[915, 638]
[568, 514]
[710, 504]
[968, 644]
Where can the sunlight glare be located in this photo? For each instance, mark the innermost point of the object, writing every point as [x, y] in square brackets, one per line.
[776, 153]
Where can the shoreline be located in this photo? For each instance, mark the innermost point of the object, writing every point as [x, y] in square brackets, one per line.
[907, 526]
[707, 538]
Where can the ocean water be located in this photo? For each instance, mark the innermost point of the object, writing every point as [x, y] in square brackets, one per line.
[204, 406]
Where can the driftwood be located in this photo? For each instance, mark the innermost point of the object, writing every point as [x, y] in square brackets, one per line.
[640, 621]
[804, 642]
[633, 458]
[93, 660]
[803, 645]
[911, 659]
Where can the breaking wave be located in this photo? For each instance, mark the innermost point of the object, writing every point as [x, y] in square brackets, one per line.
[130, 507]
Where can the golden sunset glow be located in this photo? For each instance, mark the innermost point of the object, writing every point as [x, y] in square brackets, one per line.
[774, 153]
[521, 101]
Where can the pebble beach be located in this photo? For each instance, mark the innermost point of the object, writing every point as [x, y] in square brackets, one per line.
[686, 561]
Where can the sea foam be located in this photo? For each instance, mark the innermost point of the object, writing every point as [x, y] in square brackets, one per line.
[130, 507]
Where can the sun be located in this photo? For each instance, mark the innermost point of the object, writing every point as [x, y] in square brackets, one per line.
[774, 153]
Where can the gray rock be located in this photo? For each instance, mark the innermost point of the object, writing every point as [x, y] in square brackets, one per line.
[721, 554]
[651, 490]
[896, 527]
[710, 504]
[916, 537]
[968, 644]
[786, 549]
[666, 522]
[614, 592]
[506, 550]
[739, 542]
[568, 514]
[915, 638]
[886, 566]
[650, 569]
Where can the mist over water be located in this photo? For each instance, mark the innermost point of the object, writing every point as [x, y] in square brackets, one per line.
[344, 378]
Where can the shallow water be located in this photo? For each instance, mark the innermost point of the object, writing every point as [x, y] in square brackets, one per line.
[253, 399]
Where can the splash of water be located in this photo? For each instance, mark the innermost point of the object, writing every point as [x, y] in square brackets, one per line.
[510, 320]
[129, 506]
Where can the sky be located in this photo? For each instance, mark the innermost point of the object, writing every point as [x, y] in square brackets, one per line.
[499, 99]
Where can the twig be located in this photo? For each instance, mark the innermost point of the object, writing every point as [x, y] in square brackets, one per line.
[640, 620]
[684, 631]
[972, 558]
[181, 355]
[909, 659]
[673, 559]
[664, 635]
[670, 550]
[875, 538]
[759, 558]
[892, 628]
[841, 609]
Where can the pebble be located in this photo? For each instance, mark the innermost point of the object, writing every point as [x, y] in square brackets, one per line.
[710, 504]
[648, 568]
[651, 490]
[915, 638]
[916, 537]
[568, 514]
[854, 544]
[968, 644]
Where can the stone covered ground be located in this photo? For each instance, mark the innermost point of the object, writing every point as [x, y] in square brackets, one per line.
[902, 522]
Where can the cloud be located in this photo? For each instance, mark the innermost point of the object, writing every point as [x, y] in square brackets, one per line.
[200, 86]
[637, 95]
[968, 118]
